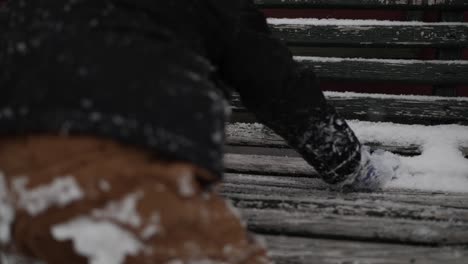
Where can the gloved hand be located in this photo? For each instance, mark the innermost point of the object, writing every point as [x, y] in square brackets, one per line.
[375, 171]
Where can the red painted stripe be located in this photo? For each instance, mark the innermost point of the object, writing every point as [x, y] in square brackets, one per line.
[431, 16]
[465, 54]
[462, 90]
[427, 54]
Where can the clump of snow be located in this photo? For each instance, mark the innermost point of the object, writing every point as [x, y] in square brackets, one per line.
[10, 258]
[354, 22]
[153, 228]
[61, 192]
[104, 185]
[102, 242]
[7, 213]
[389, 61]
[185, 184]
[442, 166]
[124, 211]
[427, 98]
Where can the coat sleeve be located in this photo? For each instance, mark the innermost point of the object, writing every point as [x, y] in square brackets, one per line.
[285, 96]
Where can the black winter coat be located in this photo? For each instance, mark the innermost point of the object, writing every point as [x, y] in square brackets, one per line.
[155, 73]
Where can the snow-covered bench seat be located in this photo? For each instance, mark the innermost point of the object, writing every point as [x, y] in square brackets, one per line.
[419, 218]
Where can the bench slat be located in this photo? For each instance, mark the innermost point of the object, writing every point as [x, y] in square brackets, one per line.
[408, 71]
[295, 250]
[268, 165]
[352, 35]
[263, 140]
[447, 4]
[404, 110]
[304, 207]
[311, 188]
[358, 220]
[342, 205]
[314, 223]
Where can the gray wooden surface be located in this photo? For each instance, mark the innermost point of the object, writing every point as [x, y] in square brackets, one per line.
[296, 250]
[404, 110]
[434, 72]
[258, 139]
[281, 197]
[302, 220]
[410, 35]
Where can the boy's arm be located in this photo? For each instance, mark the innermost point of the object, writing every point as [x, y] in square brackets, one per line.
[285, 96]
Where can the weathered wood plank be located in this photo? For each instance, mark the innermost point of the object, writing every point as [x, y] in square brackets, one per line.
[410, 71]
[346, 33]
[304, 188]
[270, 165]
[451, 53]
[295, 250]
[260, 164]
[304, 207]
[317, 223]
[404, 110]
[357, 52]
[339, 216]
[448, 4]
[266, 141]
[341, 205]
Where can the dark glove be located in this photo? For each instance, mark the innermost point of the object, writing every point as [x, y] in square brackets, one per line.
[375, 170]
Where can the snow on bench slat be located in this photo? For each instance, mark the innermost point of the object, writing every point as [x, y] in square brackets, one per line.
[442, 166]
[356, 22]
[386, 61]
[362, 3]
[426, 98]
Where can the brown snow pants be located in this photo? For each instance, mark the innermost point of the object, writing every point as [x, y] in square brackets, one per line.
[51, 182]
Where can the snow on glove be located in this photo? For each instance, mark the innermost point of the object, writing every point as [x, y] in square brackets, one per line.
[375, 171]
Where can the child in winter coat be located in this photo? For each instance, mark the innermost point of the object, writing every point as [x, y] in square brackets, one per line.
[112, 120]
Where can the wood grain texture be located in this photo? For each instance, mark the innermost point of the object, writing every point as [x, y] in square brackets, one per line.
[304, 188]
[299, 207]
[428, 35]
[342, 222]
[296, 250]
[270, 165]
[434, 72]
[440, 4]
[404, 110]
[266, 141]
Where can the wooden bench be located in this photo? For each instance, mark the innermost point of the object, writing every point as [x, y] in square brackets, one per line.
[279, 195]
